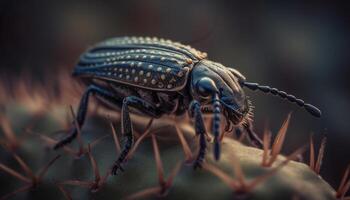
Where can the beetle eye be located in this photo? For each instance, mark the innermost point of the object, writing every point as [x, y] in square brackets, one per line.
[206, 87]
[202, 91]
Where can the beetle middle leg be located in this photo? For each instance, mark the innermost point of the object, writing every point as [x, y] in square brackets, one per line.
[195, 112]
[82, 110]
[126, 125]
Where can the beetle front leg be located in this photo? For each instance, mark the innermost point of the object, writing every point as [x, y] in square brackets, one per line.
[252, 136]
[195, 112]
[126, 126]
[83, 106]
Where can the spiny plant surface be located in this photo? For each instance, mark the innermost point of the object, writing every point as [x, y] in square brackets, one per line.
[160, 166]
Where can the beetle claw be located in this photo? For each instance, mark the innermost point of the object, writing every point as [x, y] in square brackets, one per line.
[117, 166]
[197, 164]
[66, 140]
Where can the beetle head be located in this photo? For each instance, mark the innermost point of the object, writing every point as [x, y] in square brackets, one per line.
[209, 80]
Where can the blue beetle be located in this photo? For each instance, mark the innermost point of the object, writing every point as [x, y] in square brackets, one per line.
[157, 77]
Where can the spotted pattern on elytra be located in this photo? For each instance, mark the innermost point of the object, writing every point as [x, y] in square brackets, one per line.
[152, 43]
[143, 62]
[142, 75]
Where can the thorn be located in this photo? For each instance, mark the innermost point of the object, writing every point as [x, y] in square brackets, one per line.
[158, 190]
[164, 185]
[115, 138]
[222, 175]
[94, 185]
[22, 163]
[320, 155]
[44, 170]
[5, 125]
[85, 184]
[172, 175]
[184, 144]
[137, 143]
[279, 140]
[94, 165]
[344, 184]
[65, 193]
[32, 182]
[96, 141]
[51, 142]
[19, 190]
[145, 193]
[312, 154]
[237, 169]
[266, 146]
[159, 164]
[265, 176]
[14, 173]
[140, 139]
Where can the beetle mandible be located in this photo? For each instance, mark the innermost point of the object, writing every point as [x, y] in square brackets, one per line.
[155, 77]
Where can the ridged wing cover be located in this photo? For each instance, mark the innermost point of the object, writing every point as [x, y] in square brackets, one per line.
[150, 63]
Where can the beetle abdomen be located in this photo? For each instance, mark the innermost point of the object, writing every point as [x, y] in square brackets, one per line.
[146, 63]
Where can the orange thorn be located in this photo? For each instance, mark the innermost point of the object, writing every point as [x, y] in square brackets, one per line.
[24, 166]
[341, 189]
[320, 155]
[346, 189]
[145, 193]
[85, 184]
[139, 140]
[263, 177]
[136, 145]
[44, 170]
[94, 165]
[52, 142]
[14, 173]
[279, 140]
[266, 147]
[115, 138]
[159, 164]
[158, 190]
[8, 132]
[173, 173]
[65, 193]
[184, 144]
[21, 189]
[312, 154]
[238, 170]
[96, 141]
[222, 175]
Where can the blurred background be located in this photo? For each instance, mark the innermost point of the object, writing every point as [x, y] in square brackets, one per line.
[301, 48]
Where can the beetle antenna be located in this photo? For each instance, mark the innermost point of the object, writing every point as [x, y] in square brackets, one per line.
[313, 110]
[216, 126]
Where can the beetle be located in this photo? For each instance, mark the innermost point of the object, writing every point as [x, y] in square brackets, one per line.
[157, 77]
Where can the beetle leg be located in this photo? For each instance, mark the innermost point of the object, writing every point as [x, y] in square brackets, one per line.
[238, 132]
[92, 89]
[195, 112]
[126, 126]
[252, 136]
